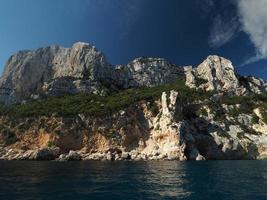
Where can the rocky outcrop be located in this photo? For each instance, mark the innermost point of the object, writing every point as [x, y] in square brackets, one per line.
[37, 154]
[167, 138]
[147, 72]
[53, 70]
[175, 132]
[218, 74]
[56, 70]
[175, 126]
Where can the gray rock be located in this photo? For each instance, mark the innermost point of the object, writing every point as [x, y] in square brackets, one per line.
[53, 70]
[125, 156]
[109, 156]
[46, 154]
[245, 119]
[73, 156]
[217, 73]
[200, 157]
[56, 70]
[117, 157]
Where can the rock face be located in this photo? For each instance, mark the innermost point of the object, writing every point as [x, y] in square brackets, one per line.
[56, 70]
[171, 127]
[218, 74]
[167, 137]
[137, 134]
[147, 72]
[215, 73]
[53, 70]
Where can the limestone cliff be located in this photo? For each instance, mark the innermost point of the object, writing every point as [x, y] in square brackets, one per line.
[218, 74]
[136, 133]
[183, 113]
[56, 70]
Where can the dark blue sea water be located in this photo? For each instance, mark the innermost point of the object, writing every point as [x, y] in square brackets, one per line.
[211, 180]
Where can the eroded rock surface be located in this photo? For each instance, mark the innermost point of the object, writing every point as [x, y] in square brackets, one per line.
[137, 134]
[57, 70]
[218, 74]
[168, 128]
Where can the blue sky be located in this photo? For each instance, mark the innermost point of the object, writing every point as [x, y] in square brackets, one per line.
[185, 31]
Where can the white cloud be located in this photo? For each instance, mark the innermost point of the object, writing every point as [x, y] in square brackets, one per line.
[253, 16]
[225, 24]
[251, 19]
[252, 59]
[223, 31]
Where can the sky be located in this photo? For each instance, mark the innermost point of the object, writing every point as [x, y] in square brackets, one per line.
[183, 31]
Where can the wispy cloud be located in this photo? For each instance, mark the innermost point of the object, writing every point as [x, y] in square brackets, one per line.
[225, 24]
[223, 31]
[250, 17]
[250, 60]
[253, 16]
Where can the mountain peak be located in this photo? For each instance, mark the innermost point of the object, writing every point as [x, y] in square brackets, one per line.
[216, 73]
[57, 70]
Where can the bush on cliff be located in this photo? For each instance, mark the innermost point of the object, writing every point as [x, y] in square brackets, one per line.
[94, 105]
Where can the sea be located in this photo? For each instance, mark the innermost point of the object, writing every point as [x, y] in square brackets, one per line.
[127, 180]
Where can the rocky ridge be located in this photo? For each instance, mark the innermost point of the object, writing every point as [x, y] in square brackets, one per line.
[56, 70]
[218, 74]
[213, 113]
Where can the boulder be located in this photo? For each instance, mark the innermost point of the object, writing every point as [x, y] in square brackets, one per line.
[46, 154]
[125, 155]
[71, 156]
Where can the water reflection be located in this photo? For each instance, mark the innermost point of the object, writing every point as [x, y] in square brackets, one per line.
[236, 180]
[167, 179]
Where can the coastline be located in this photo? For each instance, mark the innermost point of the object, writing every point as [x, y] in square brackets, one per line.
[52, 154]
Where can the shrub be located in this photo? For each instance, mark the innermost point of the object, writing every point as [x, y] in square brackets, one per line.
[255, 119]
[95, 105]
[50, 144]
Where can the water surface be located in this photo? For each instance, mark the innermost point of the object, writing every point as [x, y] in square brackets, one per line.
[208, 180]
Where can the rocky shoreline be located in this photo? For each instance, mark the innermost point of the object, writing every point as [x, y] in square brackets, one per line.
[53, 154]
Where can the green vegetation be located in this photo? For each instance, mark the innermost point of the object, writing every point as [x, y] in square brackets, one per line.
[246, 104]
[154, 108]
[95, 105]
[202, 112]
[51, 144]
[255, 119]
[264, 114]
[200, 81]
